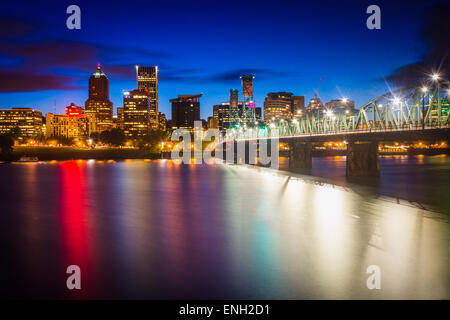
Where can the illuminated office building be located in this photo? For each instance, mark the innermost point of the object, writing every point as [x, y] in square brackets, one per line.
[185, 110]
[278, 105]
[29, 121]
[120, 120]
[298, 106]
[147, 80]
[162, 121]
[136, 113]
[73, 124]
[98, 106]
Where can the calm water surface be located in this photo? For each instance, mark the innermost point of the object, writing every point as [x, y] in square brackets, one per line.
[159, 230]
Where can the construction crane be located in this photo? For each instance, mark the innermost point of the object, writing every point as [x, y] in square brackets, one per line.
[316, 93]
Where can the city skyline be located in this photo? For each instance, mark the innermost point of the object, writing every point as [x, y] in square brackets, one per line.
[231, 154]
[337, 33]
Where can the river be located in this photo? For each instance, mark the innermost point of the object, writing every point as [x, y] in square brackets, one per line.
[159, 230]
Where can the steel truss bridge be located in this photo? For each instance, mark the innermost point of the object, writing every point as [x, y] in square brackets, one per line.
[393, 114]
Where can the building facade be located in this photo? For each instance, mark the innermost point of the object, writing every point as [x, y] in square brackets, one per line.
[147, 80]
[162, 121]
[73, 124]
[185, 110]
[28, 120]
[298, 106]
[212, 123]
[278, 105]
[120, 120]
[98, 106]
[136, 113]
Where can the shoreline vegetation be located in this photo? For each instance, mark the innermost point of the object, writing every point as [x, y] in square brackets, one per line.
[77, 153]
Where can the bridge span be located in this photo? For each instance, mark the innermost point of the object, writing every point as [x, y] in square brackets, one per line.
[403, 115]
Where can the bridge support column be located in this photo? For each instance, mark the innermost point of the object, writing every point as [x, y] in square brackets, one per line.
[243, 152]
[362, 159]
[300, 155]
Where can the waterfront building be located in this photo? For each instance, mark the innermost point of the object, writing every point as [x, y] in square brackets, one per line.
[73, 124]
[147, 80]
[221, 114]
[120, 121]
[162, 121]
[98, 106]
[185, 110]
[136, 113]
[278, 105]
[28, 120]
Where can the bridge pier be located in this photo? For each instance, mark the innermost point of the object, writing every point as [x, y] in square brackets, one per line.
[300, 155]
[362, 159]
[244, 152]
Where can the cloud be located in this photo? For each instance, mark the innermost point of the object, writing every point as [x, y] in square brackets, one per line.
[26, 81]
[11, 27]
[437, 57]
[56, 64]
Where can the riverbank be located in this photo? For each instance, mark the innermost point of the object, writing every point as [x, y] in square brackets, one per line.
[409, 152]
[73, 153]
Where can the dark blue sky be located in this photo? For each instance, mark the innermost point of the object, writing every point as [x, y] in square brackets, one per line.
[203, 46]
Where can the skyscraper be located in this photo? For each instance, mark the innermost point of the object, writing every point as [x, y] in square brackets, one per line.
[98, 106]
[247, 86]
[136, 113]
[185, 110]
[147, 80]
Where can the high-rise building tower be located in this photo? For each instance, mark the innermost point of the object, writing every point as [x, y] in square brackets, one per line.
[247, 86]
[147, 80]
[249, 105]
[136, 113]
[98, 106]
[185, 110]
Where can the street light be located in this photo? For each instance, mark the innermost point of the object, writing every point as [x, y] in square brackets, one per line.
[424, 90]
[435, 77]
[344, 100]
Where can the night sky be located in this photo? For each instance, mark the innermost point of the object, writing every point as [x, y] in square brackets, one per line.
[203, 46]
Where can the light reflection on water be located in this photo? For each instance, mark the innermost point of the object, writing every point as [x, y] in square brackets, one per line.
[143, 229]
